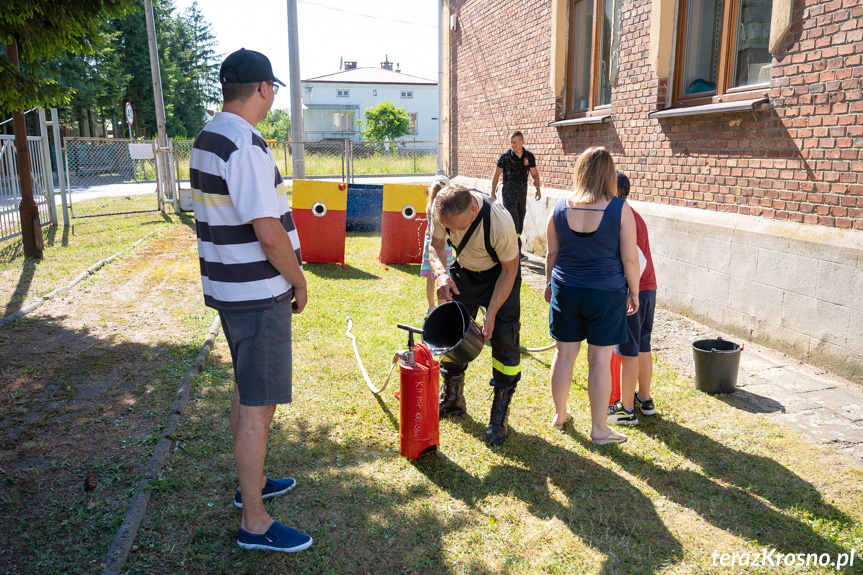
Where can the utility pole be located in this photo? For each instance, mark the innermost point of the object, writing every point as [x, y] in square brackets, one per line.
[440, 29]
[31, 229]
[297, 150]
[162, 140]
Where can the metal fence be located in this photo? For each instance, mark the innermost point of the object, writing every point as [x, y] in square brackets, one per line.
[343, 159]
[109, 176]
[10, 185]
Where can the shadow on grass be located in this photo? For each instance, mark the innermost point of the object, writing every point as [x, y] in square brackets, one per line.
[360, 524]
[336, 272]
[602, 509]
[51, 236]
[409, 269]
[74, 403]
[366, 517]
[25, 280]
[737, 491]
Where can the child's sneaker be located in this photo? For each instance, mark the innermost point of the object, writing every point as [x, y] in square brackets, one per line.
[620, 415]
[645, 405]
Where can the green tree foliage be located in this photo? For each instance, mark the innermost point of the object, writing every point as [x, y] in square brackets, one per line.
[385, 121]
[43, 29]
[276, 126]
[94, 81]
[205, 60]
[188, 64]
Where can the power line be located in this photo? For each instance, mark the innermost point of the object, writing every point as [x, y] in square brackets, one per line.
[333, 8]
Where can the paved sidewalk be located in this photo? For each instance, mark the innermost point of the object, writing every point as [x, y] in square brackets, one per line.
[825, 408]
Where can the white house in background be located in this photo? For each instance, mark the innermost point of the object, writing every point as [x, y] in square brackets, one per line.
[333, 103]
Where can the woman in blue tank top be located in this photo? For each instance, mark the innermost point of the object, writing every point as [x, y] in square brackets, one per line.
[592, 272]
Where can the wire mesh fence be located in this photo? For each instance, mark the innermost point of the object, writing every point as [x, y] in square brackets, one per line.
[337, 158]
[399, 158]
[10, 185]
[108, 176]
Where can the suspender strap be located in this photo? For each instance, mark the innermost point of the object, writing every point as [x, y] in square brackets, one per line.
[483, 216]
[487, 200]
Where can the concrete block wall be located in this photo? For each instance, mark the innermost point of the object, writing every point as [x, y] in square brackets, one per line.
[793, 287]
[788, 286]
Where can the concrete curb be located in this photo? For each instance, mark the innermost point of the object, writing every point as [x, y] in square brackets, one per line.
[88, 272]
[118, 552]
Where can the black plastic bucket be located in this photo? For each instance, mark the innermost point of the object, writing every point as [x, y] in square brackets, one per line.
[450, 331]
[716, 365]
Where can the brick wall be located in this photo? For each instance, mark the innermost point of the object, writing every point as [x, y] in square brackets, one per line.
[800, 161]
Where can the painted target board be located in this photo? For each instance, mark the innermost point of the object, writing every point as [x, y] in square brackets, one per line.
[320, 213]
[403, 224]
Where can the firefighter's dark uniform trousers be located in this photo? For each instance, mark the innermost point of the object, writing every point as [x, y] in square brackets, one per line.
[515, 201]
[475, 290]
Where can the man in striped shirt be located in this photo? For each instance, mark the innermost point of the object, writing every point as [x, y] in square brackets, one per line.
[249, 253]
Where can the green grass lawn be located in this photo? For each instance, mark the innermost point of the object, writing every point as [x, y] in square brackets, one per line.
[69, 250]
[700, 477]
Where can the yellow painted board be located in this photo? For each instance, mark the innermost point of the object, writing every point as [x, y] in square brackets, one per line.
[397, 196]
[306, 193]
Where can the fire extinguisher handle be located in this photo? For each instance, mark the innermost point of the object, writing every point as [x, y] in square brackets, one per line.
[410, 328]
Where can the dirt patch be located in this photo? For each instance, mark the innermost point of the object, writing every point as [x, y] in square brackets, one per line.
[85, 384]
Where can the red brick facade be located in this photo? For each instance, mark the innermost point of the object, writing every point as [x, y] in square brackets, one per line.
[799, 160]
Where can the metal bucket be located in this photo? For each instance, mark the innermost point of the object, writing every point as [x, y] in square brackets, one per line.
[450, 331]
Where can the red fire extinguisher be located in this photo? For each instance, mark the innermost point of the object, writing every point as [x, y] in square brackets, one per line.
[418, 399]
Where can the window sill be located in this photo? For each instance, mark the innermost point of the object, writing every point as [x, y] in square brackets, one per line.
[718, 108]
[601, 119]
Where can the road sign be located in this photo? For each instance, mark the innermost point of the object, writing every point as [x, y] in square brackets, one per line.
[130, 117]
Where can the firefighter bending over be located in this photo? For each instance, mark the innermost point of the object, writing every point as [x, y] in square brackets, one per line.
[486, 273]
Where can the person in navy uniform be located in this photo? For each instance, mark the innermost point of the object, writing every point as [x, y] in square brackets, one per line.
[515, 164]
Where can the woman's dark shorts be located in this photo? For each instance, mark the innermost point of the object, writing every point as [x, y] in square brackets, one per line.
[577, 313]
[639, 326]
[260, 344]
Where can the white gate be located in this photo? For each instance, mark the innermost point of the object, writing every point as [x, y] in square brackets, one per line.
[10, 184]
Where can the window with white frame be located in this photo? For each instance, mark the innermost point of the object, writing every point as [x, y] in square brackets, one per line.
[591, 63]
[343, 93]
[722, 49]
[407, 93]
[343, 122]
[413, 123]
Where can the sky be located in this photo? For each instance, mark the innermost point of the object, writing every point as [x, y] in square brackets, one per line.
[368, 32]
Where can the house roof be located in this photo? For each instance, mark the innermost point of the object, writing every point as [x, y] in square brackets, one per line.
[371, 76]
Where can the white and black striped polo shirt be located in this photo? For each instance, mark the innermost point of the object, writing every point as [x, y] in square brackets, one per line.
[234, 181]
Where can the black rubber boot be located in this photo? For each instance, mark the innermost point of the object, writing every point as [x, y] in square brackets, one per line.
[495, 434]
[452, 395]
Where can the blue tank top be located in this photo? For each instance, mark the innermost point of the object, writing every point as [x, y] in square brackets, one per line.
[590, 261]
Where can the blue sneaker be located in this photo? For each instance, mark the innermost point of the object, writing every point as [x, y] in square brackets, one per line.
[277, 538]
[273, 488]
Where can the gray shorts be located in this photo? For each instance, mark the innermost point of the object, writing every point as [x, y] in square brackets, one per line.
[260, 344]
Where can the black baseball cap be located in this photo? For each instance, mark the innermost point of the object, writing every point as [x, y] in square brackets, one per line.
[247, 67]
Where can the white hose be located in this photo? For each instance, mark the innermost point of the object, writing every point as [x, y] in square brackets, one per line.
[534, 349]
[521, 347]
[373, 389]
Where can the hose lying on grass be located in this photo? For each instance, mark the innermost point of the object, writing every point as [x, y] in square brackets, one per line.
[376, 390]
[369, 383]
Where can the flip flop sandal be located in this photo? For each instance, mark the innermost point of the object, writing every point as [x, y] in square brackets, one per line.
[615, 437]
[565, 421]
